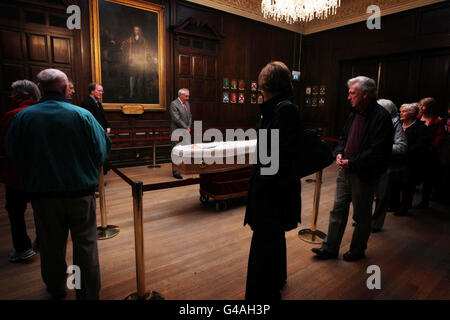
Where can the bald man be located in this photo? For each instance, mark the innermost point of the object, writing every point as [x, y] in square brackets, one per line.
[58, 147]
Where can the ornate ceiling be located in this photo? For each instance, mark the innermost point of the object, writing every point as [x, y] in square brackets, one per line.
[351, 11]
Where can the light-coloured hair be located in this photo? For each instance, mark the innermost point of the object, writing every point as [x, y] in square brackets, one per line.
[182, 91]
[365, 84]
[412, 108]
[52, 80]
[26, 89]
[389, 106]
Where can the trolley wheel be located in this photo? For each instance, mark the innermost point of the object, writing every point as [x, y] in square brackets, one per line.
[203, 198]
[221, 205]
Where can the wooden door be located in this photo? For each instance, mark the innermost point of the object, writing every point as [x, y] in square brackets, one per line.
[32, 39]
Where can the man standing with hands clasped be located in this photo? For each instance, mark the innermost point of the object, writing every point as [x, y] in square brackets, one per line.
[180, 113]
[362, 157]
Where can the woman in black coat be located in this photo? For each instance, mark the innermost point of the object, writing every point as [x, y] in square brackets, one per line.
[419, 147]
[274, 203]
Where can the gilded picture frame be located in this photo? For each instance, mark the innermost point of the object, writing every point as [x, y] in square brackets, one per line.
[128, 53]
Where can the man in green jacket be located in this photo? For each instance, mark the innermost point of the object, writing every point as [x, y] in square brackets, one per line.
[57, 148]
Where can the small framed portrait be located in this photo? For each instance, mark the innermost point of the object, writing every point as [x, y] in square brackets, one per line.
[241, 98]
[226, 97]
[315, 90]
[226, 83]
[233, 97]
[241, 85]
[308, 91]
[254, 86]
[260, 99]
[308, 102]
[253, 99]
[314, 102]
[321, 101]
[322, 90]
[233, 84]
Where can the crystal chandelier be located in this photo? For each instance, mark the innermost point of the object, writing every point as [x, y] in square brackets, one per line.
[298, 10]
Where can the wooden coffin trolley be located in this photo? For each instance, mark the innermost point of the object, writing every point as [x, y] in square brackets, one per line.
[224, 168]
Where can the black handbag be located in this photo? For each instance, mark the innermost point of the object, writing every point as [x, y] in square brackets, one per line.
[315, 154]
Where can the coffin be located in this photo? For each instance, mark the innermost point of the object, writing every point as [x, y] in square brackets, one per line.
[213, 157]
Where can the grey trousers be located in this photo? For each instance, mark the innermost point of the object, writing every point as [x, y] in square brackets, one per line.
[383, 194]
[54, 218]
[350, 189]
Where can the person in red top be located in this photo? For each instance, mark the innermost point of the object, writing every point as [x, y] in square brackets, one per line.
[429, 115]
[24, 94]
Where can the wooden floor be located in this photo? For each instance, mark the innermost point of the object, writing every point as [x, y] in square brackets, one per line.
[194, 252]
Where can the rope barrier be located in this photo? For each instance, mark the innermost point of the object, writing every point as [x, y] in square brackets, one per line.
[105, 231]
[138, 189]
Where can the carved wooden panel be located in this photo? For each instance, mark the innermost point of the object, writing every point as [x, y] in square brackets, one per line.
[61, 50]
[432, 22]
[395, 80]
[11, 73]
[34, 70]
[184, 65]
[67, 71]
[210, 87]
[210, 66]
[197, 64]
[434, 75]
[11, 45]
[183, 83]
[37, 47]
[197, 89]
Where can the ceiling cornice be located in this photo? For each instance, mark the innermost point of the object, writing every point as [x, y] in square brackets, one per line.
[246, 9]
[351, 11]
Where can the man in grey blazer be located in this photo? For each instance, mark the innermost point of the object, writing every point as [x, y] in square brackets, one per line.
[180, 113]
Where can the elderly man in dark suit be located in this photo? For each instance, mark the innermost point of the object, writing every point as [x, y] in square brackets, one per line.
[180, 113]
[362, 156]
[93, 105]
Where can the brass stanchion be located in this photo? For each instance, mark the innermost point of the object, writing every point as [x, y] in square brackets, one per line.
[141, 294]
[105, 231]
[154, 165]
[313, 235]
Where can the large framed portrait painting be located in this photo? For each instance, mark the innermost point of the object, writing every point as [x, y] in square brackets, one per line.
[127, 41]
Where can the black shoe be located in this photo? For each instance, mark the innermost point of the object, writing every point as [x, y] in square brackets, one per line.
[57, 294]
[177, 175]
[353, 256]
[21, 256]
[322, 254]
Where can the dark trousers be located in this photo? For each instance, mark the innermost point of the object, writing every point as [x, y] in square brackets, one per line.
[54, 218]
[406, 195]
[266, 266]
[350, 189]
[16, 205]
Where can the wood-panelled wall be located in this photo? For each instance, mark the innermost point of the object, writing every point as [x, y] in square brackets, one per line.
[245, 46]
[409, 57]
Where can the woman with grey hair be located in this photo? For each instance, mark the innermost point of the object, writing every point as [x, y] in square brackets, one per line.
[389, 183]
[24, 94]
[419, 147]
